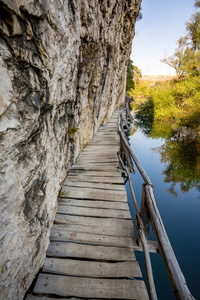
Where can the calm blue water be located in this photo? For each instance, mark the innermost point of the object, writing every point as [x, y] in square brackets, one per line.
[178, 199]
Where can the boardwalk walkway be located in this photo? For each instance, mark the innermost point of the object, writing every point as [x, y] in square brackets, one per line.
[91, 253]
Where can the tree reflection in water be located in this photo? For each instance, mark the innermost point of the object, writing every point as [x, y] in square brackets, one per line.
[180, 152]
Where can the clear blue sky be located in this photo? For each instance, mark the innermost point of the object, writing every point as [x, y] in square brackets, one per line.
[162, 24]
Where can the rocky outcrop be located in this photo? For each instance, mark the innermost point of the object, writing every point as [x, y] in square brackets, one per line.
[62, 69]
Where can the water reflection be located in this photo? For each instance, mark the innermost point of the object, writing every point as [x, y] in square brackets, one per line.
[180, 152]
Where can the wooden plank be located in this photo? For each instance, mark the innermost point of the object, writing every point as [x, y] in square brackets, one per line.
[113, 227]
[94, 212]
[102, 165]
[105, 229]
[107, 148]
[107, 179]
[105, 141]
[94, 204]
[114, 187]
[86, 162]
[81, 268]
[105, 138]
[106, 134]
[100, 142]
[100, 152]
[77, 189]
[85, 167]
[92, 239]
[97, 157]
[86, 193]
[90, 287]
[107, 155]
[109, 127]
[97, 160]
[73, 250]
[101, 149]
[96, 173]
[108, 130]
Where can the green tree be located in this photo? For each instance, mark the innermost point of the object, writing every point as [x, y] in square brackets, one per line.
[137, 74]
[186, 59]
[133, 75]
[197, 4]
[129, 77]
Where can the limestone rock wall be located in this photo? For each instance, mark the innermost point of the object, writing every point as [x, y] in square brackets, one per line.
[62, 73]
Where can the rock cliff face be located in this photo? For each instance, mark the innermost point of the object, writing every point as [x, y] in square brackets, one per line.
[62, 69]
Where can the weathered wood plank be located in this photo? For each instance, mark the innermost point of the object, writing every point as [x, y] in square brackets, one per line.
[106, 134]
[113, 227]
[108, 148]
[87, 163]
[97, 159]
[105, 155]
[90, 287]
[77, 189]
[103, 165]
[99, 152]
[94, 204]
[105, 229]
[104, 150]
[99, 222]
[86, 193]
[94, 212]
[80, 268]
[85, 167]
[92, 239]
[108, 142]
[109, 128]
[98, 156]
[96, 173]
[101, 149]
[102, 186]
[105, 138]
[73, 250]
[89, 178]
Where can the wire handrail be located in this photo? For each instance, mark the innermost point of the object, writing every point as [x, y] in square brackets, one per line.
[149, 213]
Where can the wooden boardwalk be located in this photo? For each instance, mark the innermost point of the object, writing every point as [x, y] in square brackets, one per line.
[91, 253]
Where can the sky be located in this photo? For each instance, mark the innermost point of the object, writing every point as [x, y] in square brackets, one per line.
[162, 24]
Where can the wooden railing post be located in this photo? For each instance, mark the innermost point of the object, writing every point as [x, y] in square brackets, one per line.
[128, 158]
[146, 218]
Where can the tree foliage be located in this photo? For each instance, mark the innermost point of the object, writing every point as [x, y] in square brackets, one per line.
[133, 75]
[129, 77]
[186, 59]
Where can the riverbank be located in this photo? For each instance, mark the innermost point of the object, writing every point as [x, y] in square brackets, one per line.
[171, 100]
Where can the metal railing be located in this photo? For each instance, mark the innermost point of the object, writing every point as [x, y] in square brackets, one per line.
[149, 214]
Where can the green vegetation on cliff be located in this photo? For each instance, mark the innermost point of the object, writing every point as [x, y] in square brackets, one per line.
[133, 75]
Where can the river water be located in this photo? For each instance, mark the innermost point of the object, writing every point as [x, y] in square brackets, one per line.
[171, 158]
